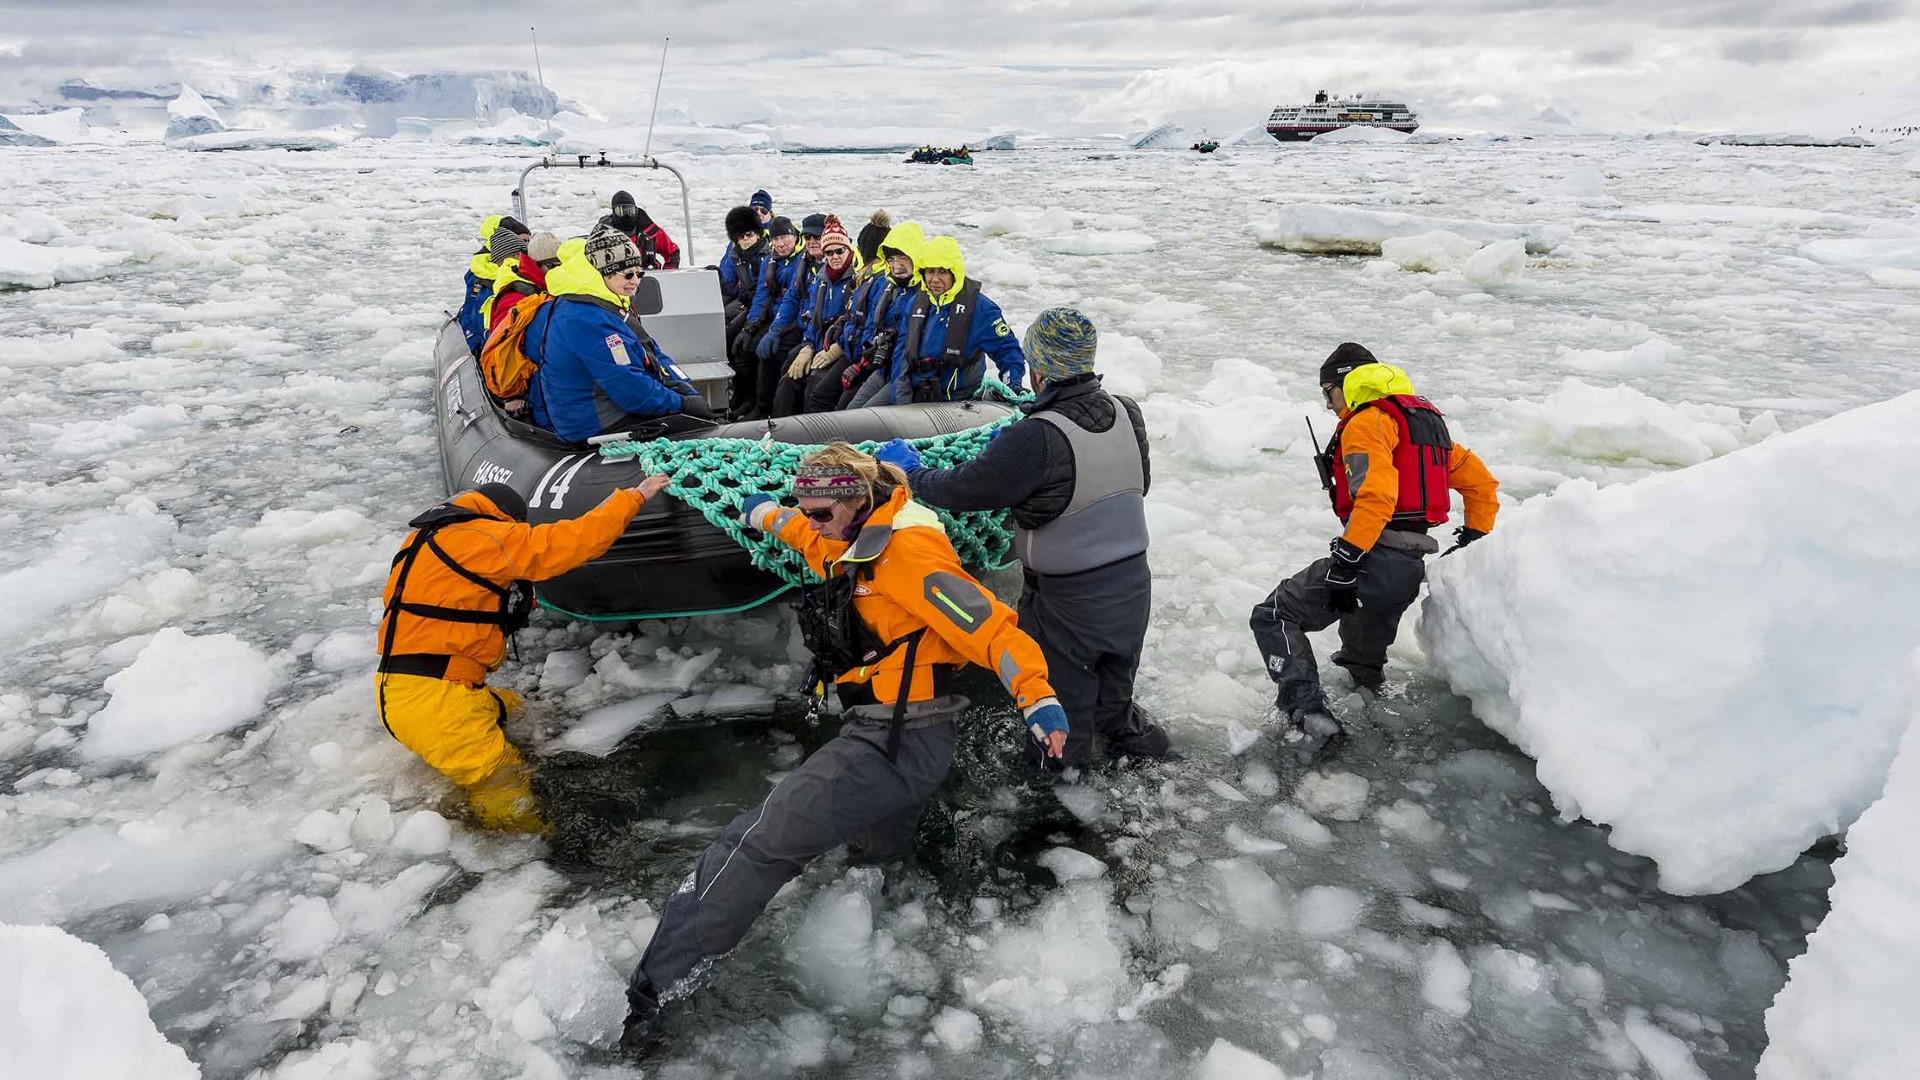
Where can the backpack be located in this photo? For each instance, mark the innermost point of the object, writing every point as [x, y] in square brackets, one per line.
[504, 364]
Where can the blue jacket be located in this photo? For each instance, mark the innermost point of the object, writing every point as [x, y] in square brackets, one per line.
[793, 302]
[987, 334]
[833, 297]
[594, 370]
[479, 289]
[776, 280]
[860, 303]
[730, 266]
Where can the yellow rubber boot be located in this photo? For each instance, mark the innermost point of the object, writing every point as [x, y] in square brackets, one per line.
[504, 800]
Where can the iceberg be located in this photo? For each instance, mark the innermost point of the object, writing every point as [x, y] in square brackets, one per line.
[1562, 629]
[189, 115]
[11, 135]
[1164, 137]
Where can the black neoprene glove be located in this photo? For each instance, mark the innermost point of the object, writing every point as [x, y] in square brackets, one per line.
[1463, 536]
[1343, 576]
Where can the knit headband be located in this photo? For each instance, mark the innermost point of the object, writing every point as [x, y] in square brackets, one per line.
[828, 482]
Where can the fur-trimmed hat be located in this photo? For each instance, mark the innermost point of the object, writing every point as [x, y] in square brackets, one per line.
[742, 219]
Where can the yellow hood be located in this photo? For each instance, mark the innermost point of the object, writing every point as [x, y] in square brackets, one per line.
[575, 276]
[906, 238]
[943, 253]
[1371, 382]
[483, 267]
[487, 225]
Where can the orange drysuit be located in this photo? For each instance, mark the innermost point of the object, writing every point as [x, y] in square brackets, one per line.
[917, 583]
[444, 631]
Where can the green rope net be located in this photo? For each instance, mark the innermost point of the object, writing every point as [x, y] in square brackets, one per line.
[714, 476]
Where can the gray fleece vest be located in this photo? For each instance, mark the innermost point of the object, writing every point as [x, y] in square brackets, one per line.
[1106, 518]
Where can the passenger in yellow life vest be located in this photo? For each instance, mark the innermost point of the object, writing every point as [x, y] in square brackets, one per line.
[481, 270]
[458, 588]
[1390, 469]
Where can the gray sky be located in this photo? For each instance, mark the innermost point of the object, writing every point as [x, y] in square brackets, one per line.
[1052, 64]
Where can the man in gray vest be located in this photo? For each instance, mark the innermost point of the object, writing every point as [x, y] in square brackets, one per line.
[1075, 473]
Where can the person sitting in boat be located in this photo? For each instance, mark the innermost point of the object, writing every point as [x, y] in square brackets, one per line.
[517, 276]
[895, 622]
[827, 384]
[479, 283]
[783, 337]
[633, 220]
[456, 592]
[778, 274]
[819, 318]
[762, 204]
[740, 264]
[947, 329]
[871, 371]
[595, 374]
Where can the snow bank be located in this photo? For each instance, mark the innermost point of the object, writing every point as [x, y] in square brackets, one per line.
[66, 1014]
[178, 689]
[38, 266]
[1361, 136]
[1349, 230]
[1848, 1007]
[1667, 648]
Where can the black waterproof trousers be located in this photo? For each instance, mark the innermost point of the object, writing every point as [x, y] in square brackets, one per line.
[1389, 583]
[1091, 627]
[846, 793]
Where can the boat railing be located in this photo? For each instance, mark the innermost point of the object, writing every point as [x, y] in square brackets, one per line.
[588, 161]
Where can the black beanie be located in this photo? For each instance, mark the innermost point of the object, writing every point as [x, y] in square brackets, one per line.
[504, 499]
[782, 226]
[621, 198]
[873, 234]
[1342, 360]
[742, 219]
[512, 224]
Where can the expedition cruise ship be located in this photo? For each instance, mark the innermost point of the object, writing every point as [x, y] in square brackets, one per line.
[1296, 123]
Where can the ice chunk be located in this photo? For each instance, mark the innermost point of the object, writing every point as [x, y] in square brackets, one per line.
[833, 948]
[345, 650]
[1671, 1059]
[1350, 230]
[1068, 864]
[600, 731]
[1411, 820]
[307, 997]
[1619, 423]
[180, 688]
[1848, 1006]
[1225, 1061]
[1247, 843]
[1240, 738]
[1499, 263]
[87, 559]
[958, 1030]
[1337, 795]
[580, 993]
[1445, 979]
[93, 868]
[499, 910]
[423, 833]
[565, 669]
[1062, 968]
[1650, 356]
[1560, 630]
[346, 1059]
[1299, 826]
[371, 910]
[307, 929]
[1253, 897]
[1082, 242]
[1431, 252]
[39, 266]
[66, 1014]
[1327, 911]
[189, 114]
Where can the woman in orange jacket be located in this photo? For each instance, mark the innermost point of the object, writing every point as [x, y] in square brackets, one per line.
[896, 618]
[1390, 469]
[458, 588]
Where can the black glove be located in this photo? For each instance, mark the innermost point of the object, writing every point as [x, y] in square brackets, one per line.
[1463, 536]
[1343, 576]
[695, 406]
[743, 342]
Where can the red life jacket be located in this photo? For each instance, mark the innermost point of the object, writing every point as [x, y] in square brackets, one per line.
[1421, 458]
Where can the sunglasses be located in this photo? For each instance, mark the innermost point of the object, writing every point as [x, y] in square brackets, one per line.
[630, 275]
[822, 516]
[836, 250]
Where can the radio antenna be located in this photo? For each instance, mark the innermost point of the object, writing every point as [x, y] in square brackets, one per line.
[541, 72]
[648, 149]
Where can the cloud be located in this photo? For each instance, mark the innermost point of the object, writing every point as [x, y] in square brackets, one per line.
[1766, 50]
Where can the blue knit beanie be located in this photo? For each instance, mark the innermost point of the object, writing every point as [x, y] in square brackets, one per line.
[761, 201]
[1060, 344]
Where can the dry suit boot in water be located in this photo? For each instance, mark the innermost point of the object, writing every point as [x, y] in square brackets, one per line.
[1312, 735]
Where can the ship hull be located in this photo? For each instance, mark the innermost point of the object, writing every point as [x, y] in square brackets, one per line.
[1304, 132]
